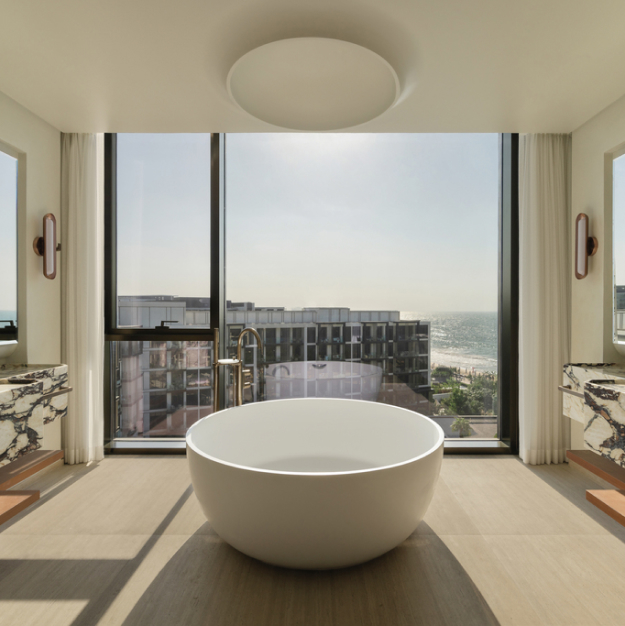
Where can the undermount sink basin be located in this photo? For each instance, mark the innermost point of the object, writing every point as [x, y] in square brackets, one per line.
[6, 384]
[10, 386]
[607, 383]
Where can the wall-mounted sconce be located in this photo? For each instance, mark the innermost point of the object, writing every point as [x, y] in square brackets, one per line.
[47, 247]
[585, 245]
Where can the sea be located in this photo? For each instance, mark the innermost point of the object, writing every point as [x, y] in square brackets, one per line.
[467, 340]
[8, 315]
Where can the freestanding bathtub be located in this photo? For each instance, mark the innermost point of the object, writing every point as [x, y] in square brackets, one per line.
[314, 483]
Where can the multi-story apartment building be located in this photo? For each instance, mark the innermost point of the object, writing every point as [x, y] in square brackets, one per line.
[165, 386]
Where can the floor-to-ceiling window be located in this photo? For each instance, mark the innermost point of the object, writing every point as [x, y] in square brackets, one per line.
[371, 266]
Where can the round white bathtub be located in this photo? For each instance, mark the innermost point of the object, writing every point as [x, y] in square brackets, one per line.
[314, 483]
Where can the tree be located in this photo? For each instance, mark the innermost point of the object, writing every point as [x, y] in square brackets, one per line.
[478, 398]
[464, 401]
[462, 426]
[443, 374]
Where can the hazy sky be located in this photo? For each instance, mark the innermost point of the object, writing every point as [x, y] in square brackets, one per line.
[8, 233]
[163, 214]
[403, 222]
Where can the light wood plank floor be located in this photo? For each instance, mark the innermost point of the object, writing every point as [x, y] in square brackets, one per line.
[124, 542]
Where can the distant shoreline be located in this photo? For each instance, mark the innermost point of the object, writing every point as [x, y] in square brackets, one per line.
[464, 362]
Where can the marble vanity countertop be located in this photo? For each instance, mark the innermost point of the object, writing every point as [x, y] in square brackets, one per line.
[18, 369]
[576, 374]
[12, 393]
[24, 407]
[48, 378]
[610, 390]
[599, 405]
[605, 431]
[575, 377]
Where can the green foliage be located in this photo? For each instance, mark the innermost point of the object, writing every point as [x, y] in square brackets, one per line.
[462, 426]
[478, 397]
[442, 387]
[464, 402]
[444, 374]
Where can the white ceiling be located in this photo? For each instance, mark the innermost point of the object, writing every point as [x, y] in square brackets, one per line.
[464, 65]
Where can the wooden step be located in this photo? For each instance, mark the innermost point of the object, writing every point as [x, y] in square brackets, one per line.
[26, 466]
[14, 502]
[600, 466]
[610, 501]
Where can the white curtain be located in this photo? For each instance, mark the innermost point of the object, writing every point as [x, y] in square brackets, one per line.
[82, 294]
[544, 305]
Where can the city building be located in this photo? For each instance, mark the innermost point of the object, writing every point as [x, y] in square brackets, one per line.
[162, 387]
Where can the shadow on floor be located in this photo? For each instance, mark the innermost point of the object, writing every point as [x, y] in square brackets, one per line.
[572, 483]
[208, 582]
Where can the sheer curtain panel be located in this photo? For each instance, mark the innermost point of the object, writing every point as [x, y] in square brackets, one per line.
[544, 298]
[83, 294]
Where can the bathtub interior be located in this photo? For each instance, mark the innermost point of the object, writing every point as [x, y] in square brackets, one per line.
[315, 435]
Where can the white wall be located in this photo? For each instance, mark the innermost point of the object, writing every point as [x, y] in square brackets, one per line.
[39, 299]
[591, 323]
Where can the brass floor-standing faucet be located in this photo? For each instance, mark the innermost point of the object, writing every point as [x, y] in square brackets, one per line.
[243, 378]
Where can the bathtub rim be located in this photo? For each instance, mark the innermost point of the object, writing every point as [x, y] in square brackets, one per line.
[439, 443]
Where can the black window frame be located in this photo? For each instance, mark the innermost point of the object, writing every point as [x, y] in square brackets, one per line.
[508, 335]
[112, 330]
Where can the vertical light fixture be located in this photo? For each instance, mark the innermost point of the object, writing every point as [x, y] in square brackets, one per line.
[47, 247]
[585, 245]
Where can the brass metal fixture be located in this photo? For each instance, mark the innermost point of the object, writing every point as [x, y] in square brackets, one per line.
[47, 246]
[567, 389]
[585, 245]
[59, 392]
[243, 378]
[216, 371]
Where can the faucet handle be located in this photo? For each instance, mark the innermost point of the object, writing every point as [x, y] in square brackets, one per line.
[248, 378]
[227, 362]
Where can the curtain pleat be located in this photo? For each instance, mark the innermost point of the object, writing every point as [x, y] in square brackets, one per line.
[544, 295]
[82, 294]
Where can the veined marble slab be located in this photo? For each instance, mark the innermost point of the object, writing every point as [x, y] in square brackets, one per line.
[576, 375]
[24, 408]
[605, 431]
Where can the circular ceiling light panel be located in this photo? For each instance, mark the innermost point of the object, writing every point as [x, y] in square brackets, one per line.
[313, 84]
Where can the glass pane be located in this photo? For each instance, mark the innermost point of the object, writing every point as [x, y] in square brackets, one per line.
[159, 389]
[163, 230]
[8, 246]
[380, 250]
[618, 200]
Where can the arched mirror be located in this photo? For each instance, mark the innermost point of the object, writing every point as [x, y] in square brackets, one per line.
[617, 190]
[8, 249]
